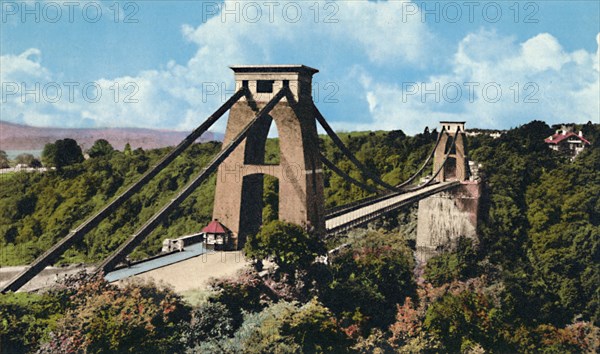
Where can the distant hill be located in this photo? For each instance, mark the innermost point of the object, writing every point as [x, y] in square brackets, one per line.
[23, 137]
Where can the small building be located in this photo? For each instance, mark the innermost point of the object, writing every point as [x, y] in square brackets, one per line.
[216, 236]
[567, 142]
[179, 244]
[492, 133]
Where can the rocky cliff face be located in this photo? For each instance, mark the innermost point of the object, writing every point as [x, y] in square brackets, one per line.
[444, 217]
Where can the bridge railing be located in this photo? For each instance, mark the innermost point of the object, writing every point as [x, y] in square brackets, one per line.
[391, 190]
[342, 209]
[369, 216]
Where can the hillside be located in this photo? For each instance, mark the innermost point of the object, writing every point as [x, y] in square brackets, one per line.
[42, 208]
[23, 137]
[528, 285]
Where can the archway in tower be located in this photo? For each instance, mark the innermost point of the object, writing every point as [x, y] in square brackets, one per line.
[262, 144]
[272, 150]
[260, 187]
[450, 166]
[260, 203]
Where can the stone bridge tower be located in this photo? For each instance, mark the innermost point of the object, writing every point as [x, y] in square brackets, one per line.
[239, 192]
[456, 167]
[445, 217]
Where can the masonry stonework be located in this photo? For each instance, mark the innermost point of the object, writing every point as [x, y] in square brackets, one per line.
[239, 192]
[445, 217]
[457, 166]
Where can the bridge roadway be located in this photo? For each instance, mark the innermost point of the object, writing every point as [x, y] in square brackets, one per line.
[362, 215]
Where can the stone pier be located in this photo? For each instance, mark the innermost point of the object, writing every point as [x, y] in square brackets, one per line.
[445, 217]
[239, 192]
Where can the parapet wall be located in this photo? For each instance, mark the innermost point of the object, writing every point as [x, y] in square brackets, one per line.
[444, 217]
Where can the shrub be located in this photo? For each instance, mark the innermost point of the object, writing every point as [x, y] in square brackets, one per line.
[134, 318]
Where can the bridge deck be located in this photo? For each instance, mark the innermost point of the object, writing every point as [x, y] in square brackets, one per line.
[191, 251]
[370, 212]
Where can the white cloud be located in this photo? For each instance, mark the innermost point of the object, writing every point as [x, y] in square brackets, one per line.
[330, 36]
[24, 65]
[538, 79]
[365, 52]
[543, 52]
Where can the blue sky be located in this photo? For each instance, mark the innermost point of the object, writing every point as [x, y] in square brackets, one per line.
[383, 65]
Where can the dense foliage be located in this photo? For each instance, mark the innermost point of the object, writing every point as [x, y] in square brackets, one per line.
[25, 320]
[4, 161]
[27, 160]
[541, 225]
[62, 153]
[393, 155]
[460, 264]
[38, 209]
[86, 314]
[529, 284]
[101, 147]
[287, 244]
[369, 279]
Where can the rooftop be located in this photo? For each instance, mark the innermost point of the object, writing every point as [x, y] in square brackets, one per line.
[273, 68]
[215, 227]
[559, 137]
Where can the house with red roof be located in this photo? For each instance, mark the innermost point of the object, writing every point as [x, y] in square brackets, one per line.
[567, 141]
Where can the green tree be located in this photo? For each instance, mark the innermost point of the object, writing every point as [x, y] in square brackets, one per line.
[459, 264]
[245, 293]
[28, 160]
[49, 155]
[314, 330]
[210, 321]
[284, 327]
[62, 153]
[133, 318]
[101, 147]
[369, 279]
[4, 162]
[290, 247]
[270, 199]
[259, 334]
[26, 320]
[127, 150]
[464, 322]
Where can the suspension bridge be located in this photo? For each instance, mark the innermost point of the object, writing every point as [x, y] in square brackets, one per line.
[279, 94]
